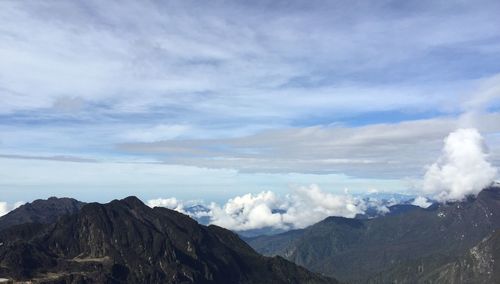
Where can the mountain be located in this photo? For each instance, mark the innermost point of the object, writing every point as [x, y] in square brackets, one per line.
[481, 264]
[125, 241]
[409, 245]
[375, 211]
[40, 211]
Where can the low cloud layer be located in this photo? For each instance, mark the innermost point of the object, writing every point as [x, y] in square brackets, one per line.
[303, 207]
[462, 169]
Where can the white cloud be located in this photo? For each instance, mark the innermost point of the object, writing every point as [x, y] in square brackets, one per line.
[248, 212]
[6, 208]
[421, 202]
[170, 203]
[304, 207]
[389, 150]
[309, 205]
[462, 169]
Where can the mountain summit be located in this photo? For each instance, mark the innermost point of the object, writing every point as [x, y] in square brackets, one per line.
[126, 241]
[41, 211]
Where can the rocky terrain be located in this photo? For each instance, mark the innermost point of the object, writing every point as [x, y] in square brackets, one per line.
[126, 241]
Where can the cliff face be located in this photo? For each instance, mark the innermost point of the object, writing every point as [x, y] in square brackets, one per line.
[125, 241]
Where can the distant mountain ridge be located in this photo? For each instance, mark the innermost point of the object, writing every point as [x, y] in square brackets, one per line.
[398, 248]
[125, 241]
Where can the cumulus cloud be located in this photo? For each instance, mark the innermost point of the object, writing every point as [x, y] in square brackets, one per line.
[309, 205]
[421, 202]
[304, 207]
[462, 169]
[248, 212]
[170, 203]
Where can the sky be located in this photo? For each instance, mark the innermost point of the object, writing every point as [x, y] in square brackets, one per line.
[208, 100]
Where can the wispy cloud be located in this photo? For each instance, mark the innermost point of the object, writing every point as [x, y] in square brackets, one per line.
[365, 89]
[382, 150]
[218, 58]
[50, 158]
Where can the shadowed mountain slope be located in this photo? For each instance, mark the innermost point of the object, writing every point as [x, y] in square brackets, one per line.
[125, 241]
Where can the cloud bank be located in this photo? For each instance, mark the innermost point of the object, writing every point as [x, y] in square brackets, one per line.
[304, 207]
[170, 203]
[462, 169]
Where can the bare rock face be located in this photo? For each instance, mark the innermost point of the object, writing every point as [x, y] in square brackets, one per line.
[125, 241]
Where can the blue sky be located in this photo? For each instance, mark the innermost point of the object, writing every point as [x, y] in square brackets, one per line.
[208, 100]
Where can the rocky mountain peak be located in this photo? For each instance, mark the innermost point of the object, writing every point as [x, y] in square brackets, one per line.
[125, 241]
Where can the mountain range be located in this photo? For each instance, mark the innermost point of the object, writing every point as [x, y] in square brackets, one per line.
[62, 240]
[125, 241]
[445, 243]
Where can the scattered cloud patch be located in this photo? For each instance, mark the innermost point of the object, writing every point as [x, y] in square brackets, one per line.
[462, 169]
[249, 212]
[421, 202]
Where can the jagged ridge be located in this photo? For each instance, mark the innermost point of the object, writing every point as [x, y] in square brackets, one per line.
[125, 241]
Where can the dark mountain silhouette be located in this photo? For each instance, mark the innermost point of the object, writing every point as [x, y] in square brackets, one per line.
[409, 246]
[40, 211]
[125, 241]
